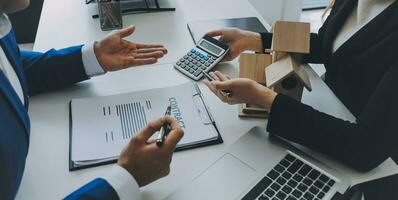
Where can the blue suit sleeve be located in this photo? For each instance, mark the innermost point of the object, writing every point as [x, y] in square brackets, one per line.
[53, 69]
[97, 189]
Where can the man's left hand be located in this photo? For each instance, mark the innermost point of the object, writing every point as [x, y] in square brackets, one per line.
[115, 53]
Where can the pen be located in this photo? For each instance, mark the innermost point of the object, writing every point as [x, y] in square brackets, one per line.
[225, 93]
[165, 130]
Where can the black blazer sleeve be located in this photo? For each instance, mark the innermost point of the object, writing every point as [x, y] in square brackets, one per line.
[362, 145]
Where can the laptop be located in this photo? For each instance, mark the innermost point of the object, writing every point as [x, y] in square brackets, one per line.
[258, 167]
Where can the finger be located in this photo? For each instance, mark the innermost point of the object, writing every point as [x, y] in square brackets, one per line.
[221, 96]
[222, 39]
[146, 61]
[140, 61]
[215, 91]
[227, 58]
[151, 141]
[149, 130]
[228, 77]
[156, 54]
[224, 85]
[212, 74]
[232, 101]
[175, 134]
[221, 76]
[149, 50]
[172, 122]
[235, 52]
[142, 46]
[215, 33]
[126, 31]
[209, 85]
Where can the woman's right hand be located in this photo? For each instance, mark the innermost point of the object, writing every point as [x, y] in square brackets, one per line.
[243, 90]
[238, 41]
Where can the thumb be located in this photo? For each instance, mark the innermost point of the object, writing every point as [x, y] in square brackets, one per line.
[175, 134]
[222, 85]
[150, 129]
[126, 31]
[215, 33]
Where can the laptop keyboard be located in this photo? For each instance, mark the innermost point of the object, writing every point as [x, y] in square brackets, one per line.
[291, 179]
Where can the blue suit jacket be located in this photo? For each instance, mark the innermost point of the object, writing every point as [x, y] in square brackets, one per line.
[37, 72]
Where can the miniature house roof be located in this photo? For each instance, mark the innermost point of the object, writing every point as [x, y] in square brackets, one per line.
[285, 67]
[292, 37]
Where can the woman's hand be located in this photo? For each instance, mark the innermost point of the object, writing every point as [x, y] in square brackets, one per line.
[238, 41]
[243, 91]
[115, 53]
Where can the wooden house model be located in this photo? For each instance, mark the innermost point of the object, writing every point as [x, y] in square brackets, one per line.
[280, 69]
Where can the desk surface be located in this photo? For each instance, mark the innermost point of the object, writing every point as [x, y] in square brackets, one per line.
[68, 23]
[64, 23]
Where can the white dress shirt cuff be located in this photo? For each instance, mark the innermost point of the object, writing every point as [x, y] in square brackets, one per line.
[124, 184]
[90, 61]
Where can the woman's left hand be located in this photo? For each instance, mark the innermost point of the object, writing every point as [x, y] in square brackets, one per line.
[238, 41]
[243, 91]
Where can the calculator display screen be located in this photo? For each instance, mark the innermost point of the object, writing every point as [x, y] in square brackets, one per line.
[210, 47]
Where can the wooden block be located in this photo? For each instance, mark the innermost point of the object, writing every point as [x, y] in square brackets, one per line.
[289, 65]
[253, 109]
[292, 37]
[278, 55]
[245, 115]
[253, 66]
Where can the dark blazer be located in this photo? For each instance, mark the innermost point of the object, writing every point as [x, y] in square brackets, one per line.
[363, 73]
[37, 73]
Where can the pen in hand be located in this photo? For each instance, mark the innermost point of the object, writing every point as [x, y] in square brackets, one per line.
[226, 93]
[164, 130]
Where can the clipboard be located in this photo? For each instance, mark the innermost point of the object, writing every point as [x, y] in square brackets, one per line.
[200, 106]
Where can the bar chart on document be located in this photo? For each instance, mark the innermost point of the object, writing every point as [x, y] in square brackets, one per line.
[131, 116]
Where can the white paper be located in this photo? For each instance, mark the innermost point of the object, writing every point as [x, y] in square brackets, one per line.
[102, 126]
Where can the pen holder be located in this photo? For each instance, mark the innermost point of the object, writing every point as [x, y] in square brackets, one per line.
[110, 15]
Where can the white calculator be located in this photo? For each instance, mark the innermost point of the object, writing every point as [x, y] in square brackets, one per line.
[207, 53]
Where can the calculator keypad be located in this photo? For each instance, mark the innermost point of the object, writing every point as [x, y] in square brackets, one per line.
[194, 62]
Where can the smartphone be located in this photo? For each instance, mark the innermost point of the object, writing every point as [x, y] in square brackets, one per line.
[383, 188]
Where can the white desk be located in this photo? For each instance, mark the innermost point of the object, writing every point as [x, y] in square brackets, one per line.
[66, 23]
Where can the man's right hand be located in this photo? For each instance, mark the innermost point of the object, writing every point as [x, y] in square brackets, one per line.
[143, 159]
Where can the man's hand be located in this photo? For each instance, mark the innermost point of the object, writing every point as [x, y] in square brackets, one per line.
[238, 41]
[115, 53]
[145, 161]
